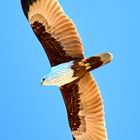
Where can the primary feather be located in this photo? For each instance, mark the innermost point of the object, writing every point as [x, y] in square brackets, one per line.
[55, 31]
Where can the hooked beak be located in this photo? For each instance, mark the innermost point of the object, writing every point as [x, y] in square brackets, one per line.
[41, 83]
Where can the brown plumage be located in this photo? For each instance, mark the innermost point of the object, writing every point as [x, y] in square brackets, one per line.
[55, 31]
[61, 42]
[85, 109]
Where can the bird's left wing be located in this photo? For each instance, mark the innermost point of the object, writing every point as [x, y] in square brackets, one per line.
[54, 29]
[85, 109]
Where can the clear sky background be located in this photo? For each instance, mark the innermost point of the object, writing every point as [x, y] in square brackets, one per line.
[29, 111]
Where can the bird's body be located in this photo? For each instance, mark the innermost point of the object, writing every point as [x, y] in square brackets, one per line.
[70, 69]
[67, 72]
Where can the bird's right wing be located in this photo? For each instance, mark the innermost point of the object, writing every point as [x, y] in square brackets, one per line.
[85, 109]
[55, 31]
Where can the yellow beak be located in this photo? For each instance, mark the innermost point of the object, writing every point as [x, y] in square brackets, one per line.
[41, 83]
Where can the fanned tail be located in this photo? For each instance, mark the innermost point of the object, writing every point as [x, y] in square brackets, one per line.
[97, 61]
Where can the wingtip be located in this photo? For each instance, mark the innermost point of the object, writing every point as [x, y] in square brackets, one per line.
[25, 6]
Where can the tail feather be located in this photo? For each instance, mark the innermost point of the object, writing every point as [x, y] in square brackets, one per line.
[97, 61]
[91, 63]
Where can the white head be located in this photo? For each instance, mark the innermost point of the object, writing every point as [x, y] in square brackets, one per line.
[59, 75]
[50, 79]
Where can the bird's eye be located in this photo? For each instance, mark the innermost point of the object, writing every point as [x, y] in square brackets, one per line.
[43, 79]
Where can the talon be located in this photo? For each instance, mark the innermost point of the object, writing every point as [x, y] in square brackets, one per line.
[87, 65]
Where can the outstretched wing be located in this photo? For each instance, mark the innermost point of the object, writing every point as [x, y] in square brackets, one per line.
[85, 109]
[54, 29]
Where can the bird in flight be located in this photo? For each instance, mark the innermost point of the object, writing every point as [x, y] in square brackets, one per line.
[70, 70]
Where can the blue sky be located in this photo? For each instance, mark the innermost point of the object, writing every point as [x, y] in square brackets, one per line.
[29, 111]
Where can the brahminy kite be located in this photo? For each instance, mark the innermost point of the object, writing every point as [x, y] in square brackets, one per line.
[70, 70]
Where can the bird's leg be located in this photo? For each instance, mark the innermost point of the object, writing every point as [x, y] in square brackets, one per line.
[87, 65]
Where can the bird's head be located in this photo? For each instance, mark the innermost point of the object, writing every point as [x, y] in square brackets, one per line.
[43, 81]
[50, 80]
